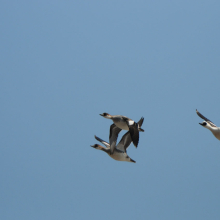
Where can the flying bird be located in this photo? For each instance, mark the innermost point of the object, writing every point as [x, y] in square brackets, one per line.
[209, 125]
[120, 152]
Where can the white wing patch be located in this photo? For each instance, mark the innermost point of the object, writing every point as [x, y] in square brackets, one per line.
[130, 122]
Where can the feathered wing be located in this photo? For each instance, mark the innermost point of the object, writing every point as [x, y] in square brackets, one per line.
[206, 119]
[113, 136]
[133, 129]
[103, 142]
[140, 122]
[124, 142]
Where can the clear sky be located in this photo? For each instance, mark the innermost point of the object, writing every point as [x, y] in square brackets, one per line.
[65, 62]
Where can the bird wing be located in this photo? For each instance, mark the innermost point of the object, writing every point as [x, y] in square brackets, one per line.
[206, 119]
[103, 142]
[113, 136]
[133, 129]
[140, 122]
[124, 142]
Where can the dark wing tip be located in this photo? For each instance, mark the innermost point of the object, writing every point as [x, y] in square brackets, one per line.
[133, 129]
[135, 140]
[133, 160]
[97, 138]
[140, 122]
[200, 115]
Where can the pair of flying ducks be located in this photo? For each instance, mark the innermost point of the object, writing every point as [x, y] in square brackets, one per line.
[123, 123]
[119, 152]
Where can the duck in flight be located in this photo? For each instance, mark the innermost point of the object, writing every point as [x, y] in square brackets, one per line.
[209, 125]
[120, 151]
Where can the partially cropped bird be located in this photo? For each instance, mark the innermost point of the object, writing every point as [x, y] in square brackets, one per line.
[209, 125]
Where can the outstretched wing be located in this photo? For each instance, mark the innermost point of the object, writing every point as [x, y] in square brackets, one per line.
[133, 129]
[124, 142]
[113, 136]
[206, 119]
[103, 142]
[140, 122]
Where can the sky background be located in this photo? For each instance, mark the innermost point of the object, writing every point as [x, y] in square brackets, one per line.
[65, 62]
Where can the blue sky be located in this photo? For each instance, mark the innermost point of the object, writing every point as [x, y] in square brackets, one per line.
[65, 62]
